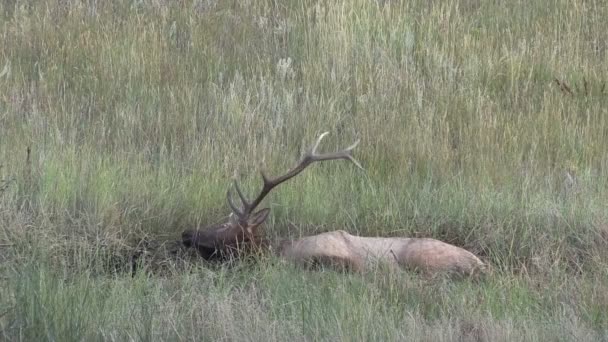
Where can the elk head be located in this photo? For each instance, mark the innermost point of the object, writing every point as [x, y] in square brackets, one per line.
[240, 231]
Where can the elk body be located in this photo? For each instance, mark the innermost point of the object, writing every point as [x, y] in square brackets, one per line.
[240, 233]
[345, 251]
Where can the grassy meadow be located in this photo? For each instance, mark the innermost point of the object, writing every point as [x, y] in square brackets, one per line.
[482, 123]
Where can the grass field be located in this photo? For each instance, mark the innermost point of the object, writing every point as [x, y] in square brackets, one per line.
[482, 123]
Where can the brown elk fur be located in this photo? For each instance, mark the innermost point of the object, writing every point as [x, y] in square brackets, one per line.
[226, 240]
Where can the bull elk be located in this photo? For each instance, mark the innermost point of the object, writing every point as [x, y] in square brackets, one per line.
[340, 249]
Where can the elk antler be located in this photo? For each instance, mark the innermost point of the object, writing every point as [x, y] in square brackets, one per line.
[309, 157]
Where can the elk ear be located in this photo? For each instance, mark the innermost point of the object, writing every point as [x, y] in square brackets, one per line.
[259, 217]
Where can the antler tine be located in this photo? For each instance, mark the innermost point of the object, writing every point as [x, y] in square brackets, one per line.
[234, 208]
[346, 153]
[267, 181]
[244, 200]
[313, 149]
[349, 154]
[242, 213]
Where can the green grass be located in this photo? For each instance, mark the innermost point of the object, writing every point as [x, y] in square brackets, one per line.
[138, 114]
[278, 302]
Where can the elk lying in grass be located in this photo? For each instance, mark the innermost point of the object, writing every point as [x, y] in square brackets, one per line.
[338, 248]
[343, 250]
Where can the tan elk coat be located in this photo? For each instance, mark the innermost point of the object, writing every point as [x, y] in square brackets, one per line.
[357, 253]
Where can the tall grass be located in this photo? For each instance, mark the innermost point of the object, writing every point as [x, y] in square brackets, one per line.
[279, 302]
[482, 123]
